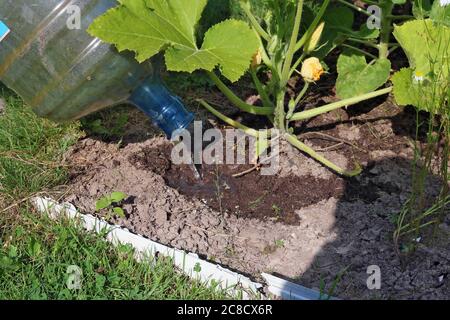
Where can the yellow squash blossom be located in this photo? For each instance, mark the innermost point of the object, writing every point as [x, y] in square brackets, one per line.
[312, 70]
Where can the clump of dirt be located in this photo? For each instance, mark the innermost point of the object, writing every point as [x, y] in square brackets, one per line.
[153, 159]
[326, 226]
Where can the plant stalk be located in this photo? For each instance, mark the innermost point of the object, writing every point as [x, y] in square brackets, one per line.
[292, 45]
[313, 26]
[231, 122]
[255, 22]
[280, 112]
[238, 101]
[336, 105]
[261, 90]
[359, 50]
[386, 28]
[354, 7]
[309, 151]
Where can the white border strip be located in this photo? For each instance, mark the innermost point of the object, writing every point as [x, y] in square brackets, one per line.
[188, 263]
[207, 272]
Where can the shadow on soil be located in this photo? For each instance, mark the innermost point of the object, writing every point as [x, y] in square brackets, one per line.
[364, 221]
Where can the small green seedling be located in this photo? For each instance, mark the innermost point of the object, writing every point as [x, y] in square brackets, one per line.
[273, 247]
[280, 243]
[332, 290]
[277, 210]
[198, 267]
[110, 205]
[109, 124]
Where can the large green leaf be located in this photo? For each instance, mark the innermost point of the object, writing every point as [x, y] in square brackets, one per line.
[357, 77]
[339, 21]
[404, 91]
[150, 26]
[426, 84]
[427, 46]
[424, 94]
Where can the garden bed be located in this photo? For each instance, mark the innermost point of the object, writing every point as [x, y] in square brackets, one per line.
[306, 224]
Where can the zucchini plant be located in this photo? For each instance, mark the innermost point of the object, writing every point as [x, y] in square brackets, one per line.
[274, 45]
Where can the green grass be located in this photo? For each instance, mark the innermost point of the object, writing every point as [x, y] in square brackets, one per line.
[35, 255]
[31, 149]
[107, 124]
[35, 252]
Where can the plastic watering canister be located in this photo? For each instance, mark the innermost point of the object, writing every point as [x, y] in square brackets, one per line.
[65, 74]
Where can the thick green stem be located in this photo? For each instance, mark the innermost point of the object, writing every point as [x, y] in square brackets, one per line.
[280, 112]
[351, 5]
[309, 151]
[260, 88]
[236, 100]
[336, 105]
[254, 22]
[297, 63]
[231, 122]
[297, 101]
[386, 28]
[293, 42]
[313, 26]
[359, 50]
[301, 94]
[294, 103]
[264, 55]
[364, 42]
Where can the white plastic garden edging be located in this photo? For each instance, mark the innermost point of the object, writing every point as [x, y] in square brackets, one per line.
[189, 263]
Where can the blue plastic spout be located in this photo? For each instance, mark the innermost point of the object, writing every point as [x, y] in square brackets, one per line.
[166, 110]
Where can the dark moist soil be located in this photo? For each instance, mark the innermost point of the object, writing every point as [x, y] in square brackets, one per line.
[250, 196]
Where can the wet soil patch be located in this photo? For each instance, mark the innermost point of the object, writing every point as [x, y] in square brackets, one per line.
[156, 160]
[251, 196]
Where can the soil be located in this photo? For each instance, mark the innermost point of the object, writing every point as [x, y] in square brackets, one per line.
[254, 196]
[306, 224]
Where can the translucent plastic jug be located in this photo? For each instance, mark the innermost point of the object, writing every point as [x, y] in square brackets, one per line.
[65, 74]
